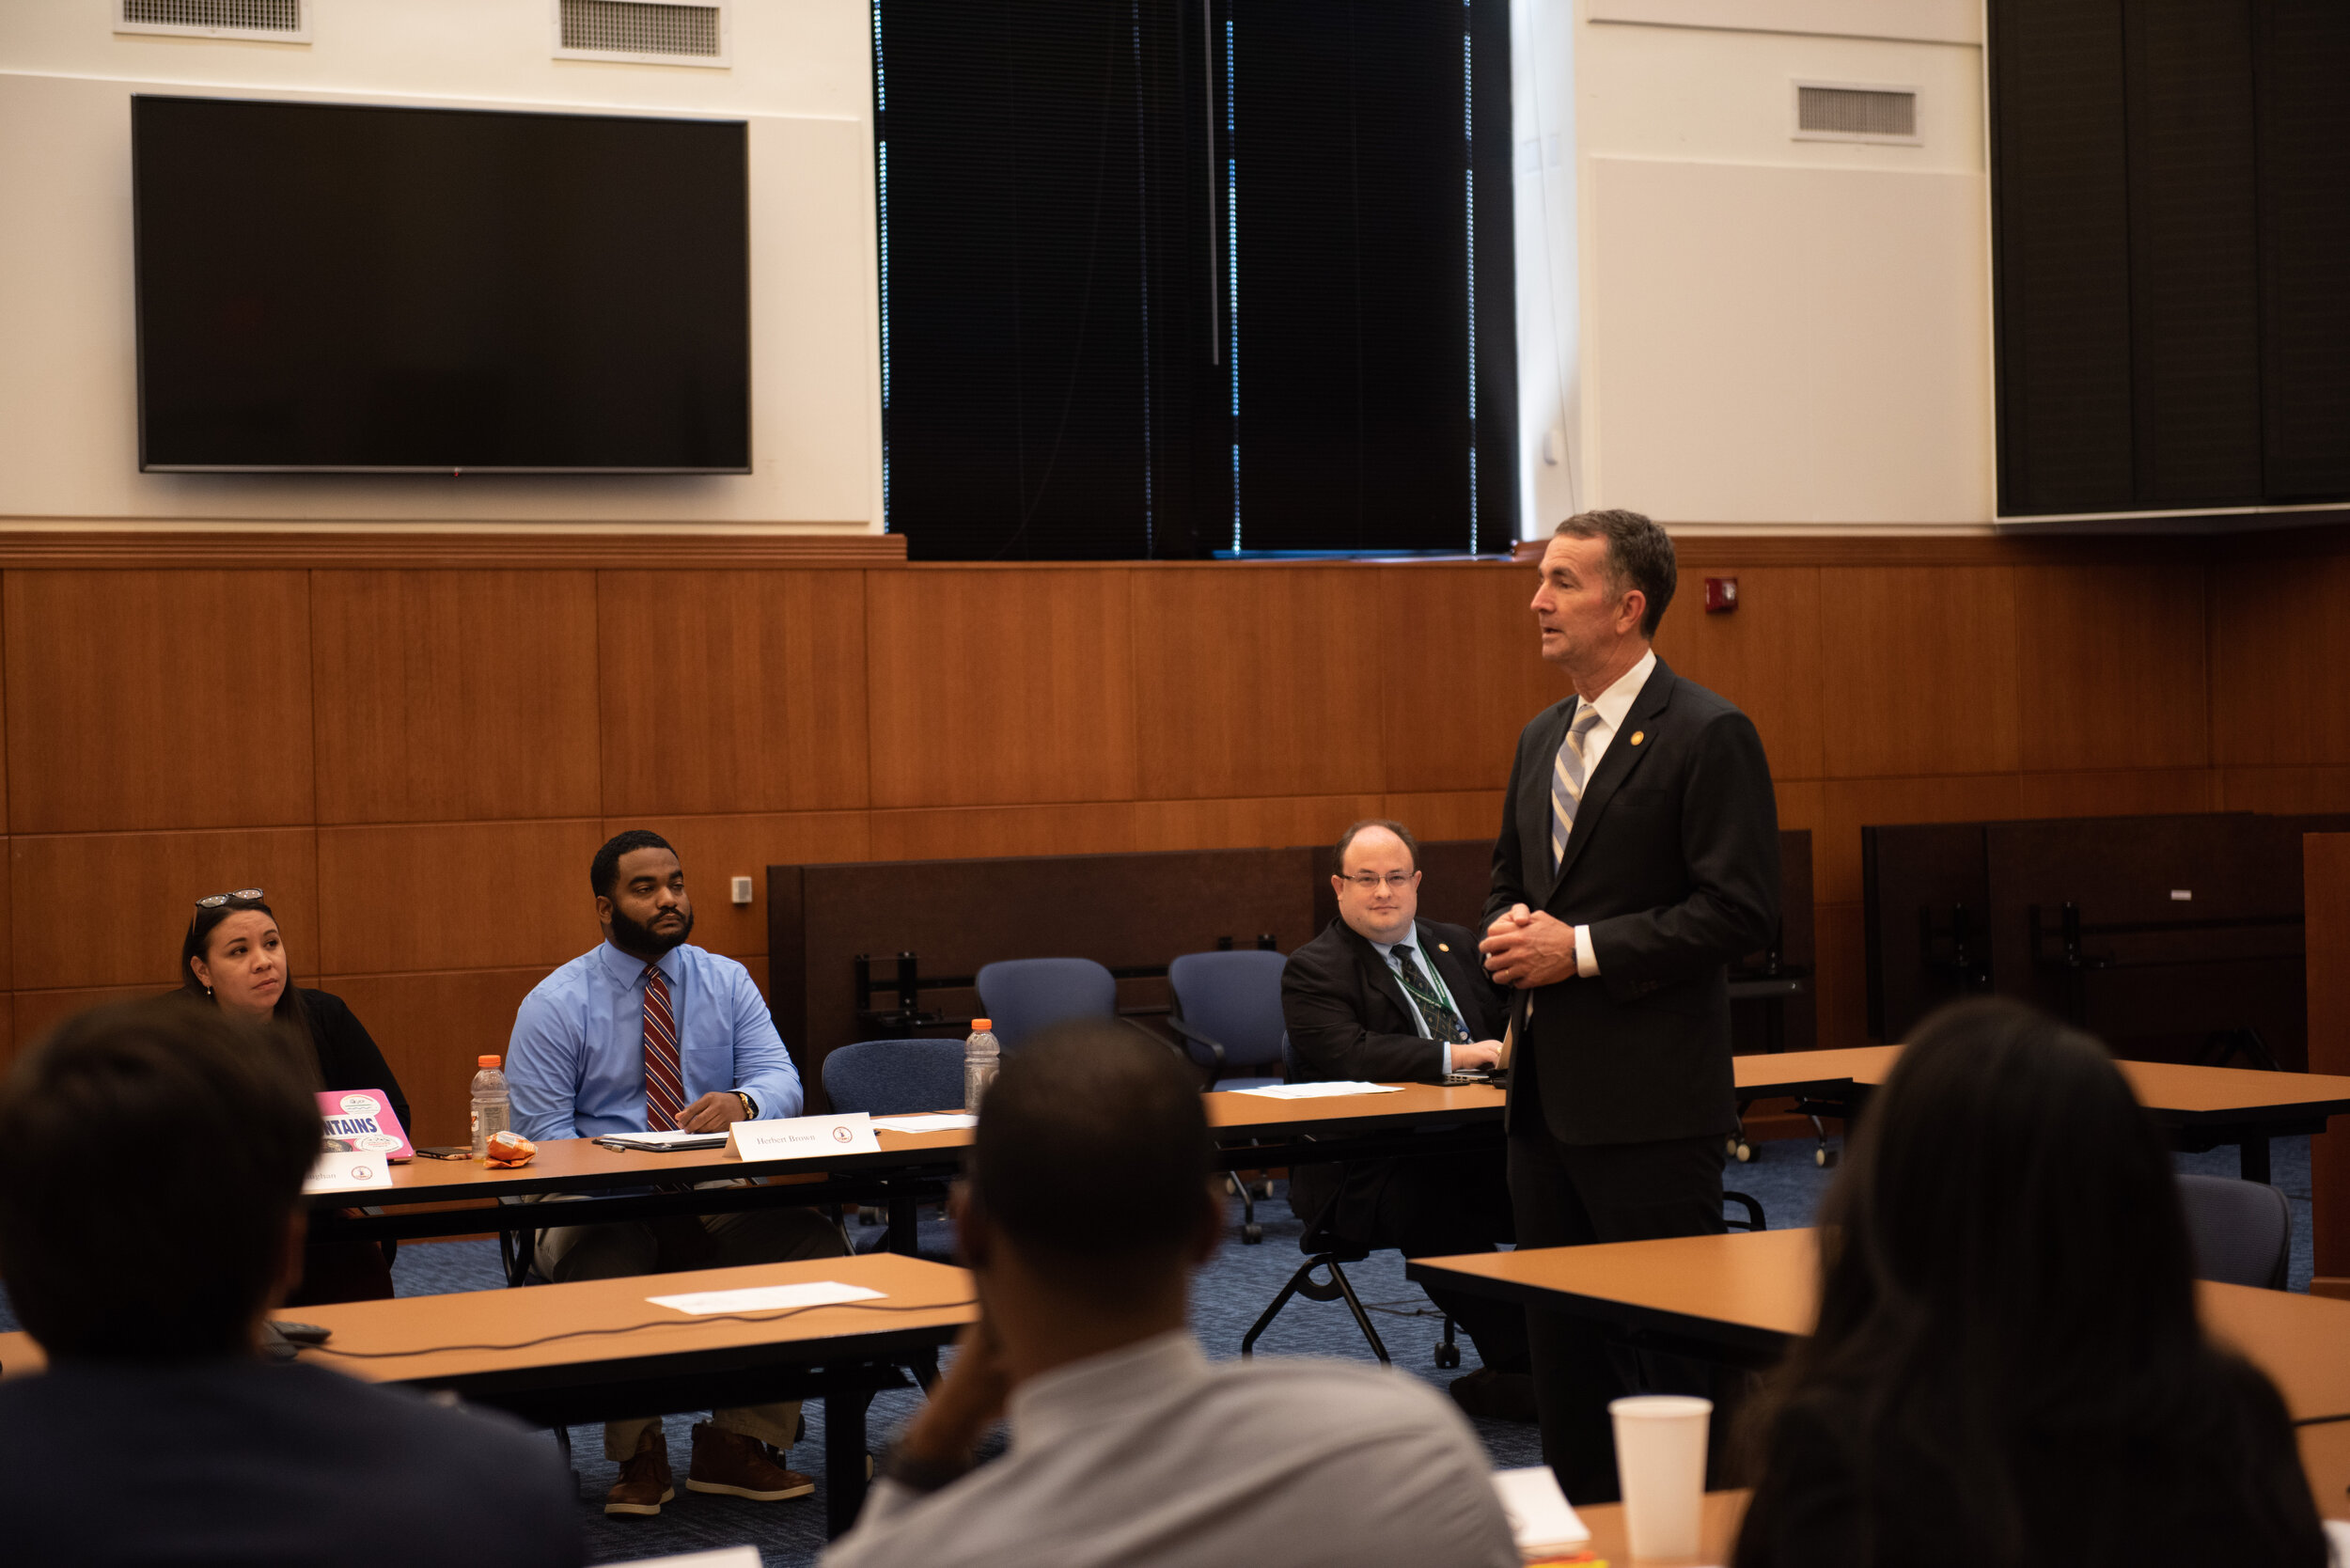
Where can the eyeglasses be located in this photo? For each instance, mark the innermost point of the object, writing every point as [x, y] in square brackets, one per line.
[219, 899]
[1370, 882]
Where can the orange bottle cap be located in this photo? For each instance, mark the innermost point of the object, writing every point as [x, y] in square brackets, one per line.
[485, 1061]
[978, 1024]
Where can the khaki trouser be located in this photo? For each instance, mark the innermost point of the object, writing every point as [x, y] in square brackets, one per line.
[679, 1241]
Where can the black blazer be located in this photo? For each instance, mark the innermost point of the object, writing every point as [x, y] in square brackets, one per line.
[1673, 864]
[348, 1054]
[1348, 1017]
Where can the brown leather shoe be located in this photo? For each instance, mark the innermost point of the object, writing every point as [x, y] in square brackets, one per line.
[740, 1466]
[645, 1481]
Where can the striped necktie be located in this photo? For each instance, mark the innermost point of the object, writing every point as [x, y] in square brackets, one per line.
[1443, 1022]
[665, 1086]
[1566, 781]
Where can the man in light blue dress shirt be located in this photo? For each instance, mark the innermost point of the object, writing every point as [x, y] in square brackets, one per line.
[646, 1031]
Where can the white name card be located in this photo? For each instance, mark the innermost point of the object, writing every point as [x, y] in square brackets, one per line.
[803, 1138]
[347, 1170]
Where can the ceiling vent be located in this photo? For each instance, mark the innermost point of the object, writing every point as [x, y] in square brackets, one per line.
[642, 32]
[275, 21]
[1838, 112]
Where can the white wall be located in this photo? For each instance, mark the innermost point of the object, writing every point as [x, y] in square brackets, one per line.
[802, 77]
[1773, 332]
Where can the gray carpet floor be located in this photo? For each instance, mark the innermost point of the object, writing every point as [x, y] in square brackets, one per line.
[1228, 1294]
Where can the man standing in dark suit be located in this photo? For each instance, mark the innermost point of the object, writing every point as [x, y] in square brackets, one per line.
[1384, 995]
[1639, 857]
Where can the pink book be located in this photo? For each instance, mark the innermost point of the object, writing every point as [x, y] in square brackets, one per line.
[362, 1118]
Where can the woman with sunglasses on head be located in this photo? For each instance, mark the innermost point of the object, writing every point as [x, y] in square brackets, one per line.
[2007, 1369]
[234, 957]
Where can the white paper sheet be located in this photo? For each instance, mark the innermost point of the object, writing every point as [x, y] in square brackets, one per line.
[1320, 1091]
[938, 1121]
[766, 1298]
[1540, 1517]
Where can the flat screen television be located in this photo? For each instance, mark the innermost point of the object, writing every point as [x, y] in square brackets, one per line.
[339, 287]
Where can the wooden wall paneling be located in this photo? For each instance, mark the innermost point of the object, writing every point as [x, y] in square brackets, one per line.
[1840, 982]
[2281, 662]
[114, 907]
[33, 1014]
[1447, 814]
[1000, 687]
[395, 898]
[1106, 827]
[1461, 673]
[1265, 680]
[733, 691]
[2284, 789]
[157, 700]
[432, 1028]
[1921, 672]
[2109, 665]
[1177, 824]
[2136, 793]
[716, 849]
[454, 696]
[1766, 655]
[2326, 909]
[1847, 806]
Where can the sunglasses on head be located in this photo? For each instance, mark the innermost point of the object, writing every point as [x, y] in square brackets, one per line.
[219, 899]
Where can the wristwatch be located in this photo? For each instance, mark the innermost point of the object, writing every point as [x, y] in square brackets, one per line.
[751, 1107]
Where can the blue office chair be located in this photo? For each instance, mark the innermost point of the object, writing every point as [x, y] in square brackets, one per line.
[2242, 1231]
[1024, 995]
[895, 1077]
[1228, 1008]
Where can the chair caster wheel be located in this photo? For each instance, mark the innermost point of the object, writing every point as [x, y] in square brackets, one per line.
[1448, 1356]
[1252, 1232]
[1824, 1157]
[1744, 1151]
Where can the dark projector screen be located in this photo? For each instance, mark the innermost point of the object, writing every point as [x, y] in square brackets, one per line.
[328, 286]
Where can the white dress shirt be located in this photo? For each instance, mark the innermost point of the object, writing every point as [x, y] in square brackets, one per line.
[1153, 1456]
[1612, 705]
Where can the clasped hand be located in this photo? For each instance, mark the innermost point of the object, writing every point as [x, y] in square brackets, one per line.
[1527, 948]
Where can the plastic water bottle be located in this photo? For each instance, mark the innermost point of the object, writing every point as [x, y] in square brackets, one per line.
[491, 1111]
[980, 1055]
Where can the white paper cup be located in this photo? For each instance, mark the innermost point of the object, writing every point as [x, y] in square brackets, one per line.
[1660, 1464]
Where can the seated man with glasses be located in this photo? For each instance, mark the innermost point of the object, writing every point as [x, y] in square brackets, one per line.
[1384, 995]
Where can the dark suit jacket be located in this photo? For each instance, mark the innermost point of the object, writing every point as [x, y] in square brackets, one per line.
[1674, 865]
[1348, 1017]
[271, 1467]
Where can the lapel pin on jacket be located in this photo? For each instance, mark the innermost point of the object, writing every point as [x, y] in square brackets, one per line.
[1638, 735]
[1443, 947]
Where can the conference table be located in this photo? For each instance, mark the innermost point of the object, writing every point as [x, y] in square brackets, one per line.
[593, 1350]
[447, 1197]
[1743, 1297]
[2201, 1108]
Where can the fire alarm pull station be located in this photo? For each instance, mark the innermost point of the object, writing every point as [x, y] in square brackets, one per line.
[1721, 595]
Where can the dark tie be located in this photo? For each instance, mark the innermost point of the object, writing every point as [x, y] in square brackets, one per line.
[1443, 1022]
[665, 1086]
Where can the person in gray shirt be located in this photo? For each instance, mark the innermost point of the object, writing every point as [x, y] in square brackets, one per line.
[1085, 1208]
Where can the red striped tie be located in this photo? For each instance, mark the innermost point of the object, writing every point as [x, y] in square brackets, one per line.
[665, 1086]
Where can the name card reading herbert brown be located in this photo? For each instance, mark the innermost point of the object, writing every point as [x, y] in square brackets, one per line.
[803, 1138]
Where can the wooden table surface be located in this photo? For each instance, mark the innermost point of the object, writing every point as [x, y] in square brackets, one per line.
[581, 1165]
[1754, 1291]
[609, 1322]
[2168, 1089]
[1717, 1533]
